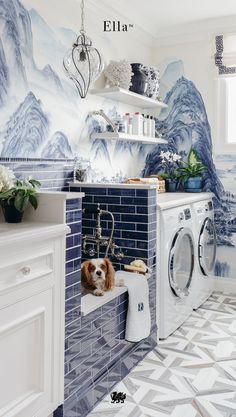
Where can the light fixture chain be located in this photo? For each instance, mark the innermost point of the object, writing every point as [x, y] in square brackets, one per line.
[82, 16]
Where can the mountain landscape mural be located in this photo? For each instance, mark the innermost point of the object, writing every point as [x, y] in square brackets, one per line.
[185, 125]
[29, 121]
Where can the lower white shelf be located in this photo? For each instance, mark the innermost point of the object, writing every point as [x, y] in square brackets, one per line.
[129, 138]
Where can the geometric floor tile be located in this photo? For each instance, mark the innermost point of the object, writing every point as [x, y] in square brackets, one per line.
[191, 374]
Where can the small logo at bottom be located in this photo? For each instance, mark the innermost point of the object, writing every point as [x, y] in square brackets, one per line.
[118, 397]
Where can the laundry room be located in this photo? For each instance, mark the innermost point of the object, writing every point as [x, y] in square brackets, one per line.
[117, 208]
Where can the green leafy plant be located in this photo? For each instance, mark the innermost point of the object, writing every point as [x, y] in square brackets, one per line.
[193, 168]
[169, 176]
[23, 193]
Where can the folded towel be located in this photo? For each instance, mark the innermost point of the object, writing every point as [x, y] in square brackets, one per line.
[138, 321]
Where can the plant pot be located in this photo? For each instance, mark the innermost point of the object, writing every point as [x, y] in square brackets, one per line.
[193, 185]
[171, 185]
[139, 80]
[11, 214]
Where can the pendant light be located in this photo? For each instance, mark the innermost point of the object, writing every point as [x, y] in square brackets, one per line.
[83, 63]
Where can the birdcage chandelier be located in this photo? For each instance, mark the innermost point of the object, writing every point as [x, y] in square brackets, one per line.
[83, 63]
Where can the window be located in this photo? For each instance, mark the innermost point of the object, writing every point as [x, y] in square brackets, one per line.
[225, 60]
[226, 114]
[231, 110]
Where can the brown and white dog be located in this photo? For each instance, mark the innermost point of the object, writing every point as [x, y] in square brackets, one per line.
[98, 276]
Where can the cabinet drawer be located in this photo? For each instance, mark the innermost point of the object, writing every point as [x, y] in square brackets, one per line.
[26, 268]
[26, 357]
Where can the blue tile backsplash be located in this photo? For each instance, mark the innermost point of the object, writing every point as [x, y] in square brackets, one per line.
[96, 353]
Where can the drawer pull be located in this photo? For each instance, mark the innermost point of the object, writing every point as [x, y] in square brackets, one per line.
[25, 270]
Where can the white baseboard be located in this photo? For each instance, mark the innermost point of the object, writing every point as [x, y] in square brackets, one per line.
[225, 284]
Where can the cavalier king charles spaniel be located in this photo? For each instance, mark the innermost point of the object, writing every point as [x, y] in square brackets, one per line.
[98, 276]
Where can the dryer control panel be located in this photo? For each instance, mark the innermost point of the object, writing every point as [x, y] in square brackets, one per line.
[187, 214]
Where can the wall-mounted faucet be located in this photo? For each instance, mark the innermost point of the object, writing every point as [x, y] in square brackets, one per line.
[97, 239]
[106, 118]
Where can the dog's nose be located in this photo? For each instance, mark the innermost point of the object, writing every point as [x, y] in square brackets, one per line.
[99, 273]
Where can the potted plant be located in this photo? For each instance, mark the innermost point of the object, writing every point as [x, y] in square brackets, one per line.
[16, 195]
[170, 161]
[191, 173]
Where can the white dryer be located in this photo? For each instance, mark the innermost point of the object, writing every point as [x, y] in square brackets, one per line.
[175, 266]
[205, 250]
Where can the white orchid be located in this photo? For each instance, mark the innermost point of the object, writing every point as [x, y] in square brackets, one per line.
[176, 157]
[170, 161]
[7, 178]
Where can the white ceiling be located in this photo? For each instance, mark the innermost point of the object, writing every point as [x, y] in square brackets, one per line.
[162, 18]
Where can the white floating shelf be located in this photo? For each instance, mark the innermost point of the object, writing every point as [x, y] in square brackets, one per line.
[128, 138]
[128, 97]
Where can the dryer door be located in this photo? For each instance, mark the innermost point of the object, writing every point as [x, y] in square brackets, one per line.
[181, 262]
[207, 247]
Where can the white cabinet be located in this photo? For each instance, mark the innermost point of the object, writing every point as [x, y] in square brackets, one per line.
[32, 320]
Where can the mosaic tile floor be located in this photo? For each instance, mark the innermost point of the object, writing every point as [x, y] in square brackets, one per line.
[190, 374]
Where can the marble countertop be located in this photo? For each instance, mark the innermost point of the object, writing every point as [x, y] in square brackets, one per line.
[111, 185]
[17, 232]
[168, 200]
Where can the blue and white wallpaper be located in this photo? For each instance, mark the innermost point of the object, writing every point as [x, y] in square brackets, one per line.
[43, 117]
[186, 126]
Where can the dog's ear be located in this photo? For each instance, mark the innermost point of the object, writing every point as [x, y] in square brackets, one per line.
[110, 275]
[86, 275]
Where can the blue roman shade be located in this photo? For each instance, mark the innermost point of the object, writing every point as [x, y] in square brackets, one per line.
[225, 55]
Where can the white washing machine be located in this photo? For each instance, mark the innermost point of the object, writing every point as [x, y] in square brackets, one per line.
[175, 265]
[205, 250]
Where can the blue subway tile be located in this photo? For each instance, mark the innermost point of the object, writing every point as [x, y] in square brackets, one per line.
[142, 193]
[73, 216]
[127, 243]
[134, 235]
[122, 226]
[137, 218]
[73, 253]
[73, 204]
[107, 199]
[134, 201]
[72, 290]
[88, 199]
[72, 303]
[121, 191]
[73, 278]
[75, 228]
[142, 244]
[73, 315]
[121, 209]
[94, 190]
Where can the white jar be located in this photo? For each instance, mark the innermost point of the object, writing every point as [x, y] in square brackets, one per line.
[145, 126]
[153, 127]
[126, 121]
[149, 127]
[137, 124]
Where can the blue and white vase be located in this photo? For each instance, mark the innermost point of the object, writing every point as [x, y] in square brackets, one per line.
[153, 76]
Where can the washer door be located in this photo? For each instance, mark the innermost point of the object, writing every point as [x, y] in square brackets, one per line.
[181, 262]
[207, 247]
